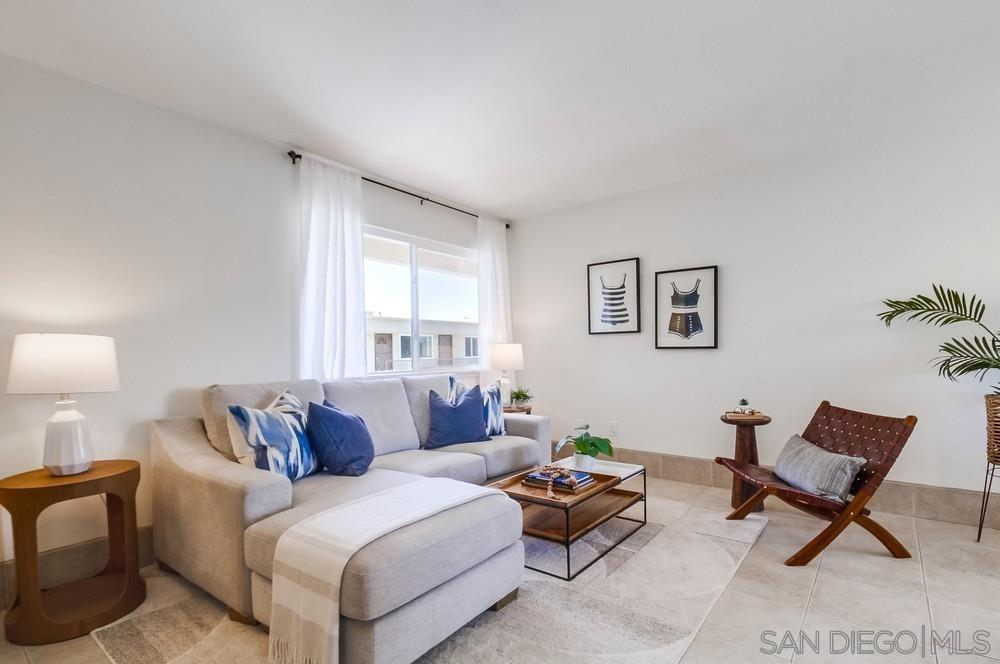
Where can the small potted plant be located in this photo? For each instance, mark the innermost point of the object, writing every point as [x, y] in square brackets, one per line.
[520, 397]
[587, 447]
[743, 408]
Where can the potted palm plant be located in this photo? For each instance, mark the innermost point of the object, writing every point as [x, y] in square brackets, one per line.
[587, 446]
[960, 356]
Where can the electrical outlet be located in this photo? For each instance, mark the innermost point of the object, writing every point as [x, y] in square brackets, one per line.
[613, 428]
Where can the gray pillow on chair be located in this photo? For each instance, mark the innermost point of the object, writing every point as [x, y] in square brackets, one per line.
[813, 469]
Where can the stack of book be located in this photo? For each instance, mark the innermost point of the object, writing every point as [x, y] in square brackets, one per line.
[541, 479]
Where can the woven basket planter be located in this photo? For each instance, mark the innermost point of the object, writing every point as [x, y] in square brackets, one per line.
[993, 428]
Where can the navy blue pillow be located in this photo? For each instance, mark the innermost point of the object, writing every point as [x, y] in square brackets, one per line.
[461, 422]
[340, 440]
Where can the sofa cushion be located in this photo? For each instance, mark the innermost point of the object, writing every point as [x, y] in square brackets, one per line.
[434, 463]
[502, 454]
[492, 405]
[340, 440]
[383, 406]
[215, 399]
[459, 422]
[404, 564]
[418, 389]
[273, 438]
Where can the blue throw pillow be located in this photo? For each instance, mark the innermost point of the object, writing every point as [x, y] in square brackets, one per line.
[461, 422]
[274, 438]
[492, 405]
[340, 439]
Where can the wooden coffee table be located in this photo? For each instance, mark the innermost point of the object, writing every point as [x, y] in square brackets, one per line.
[568, 517]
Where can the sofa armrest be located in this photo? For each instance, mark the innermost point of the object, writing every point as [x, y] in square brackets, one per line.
[202, 503]
[536, 427]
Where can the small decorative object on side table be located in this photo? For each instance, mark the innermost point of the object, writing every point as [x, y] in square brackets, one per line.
[520, 401]
[746, 450]
[73, 609]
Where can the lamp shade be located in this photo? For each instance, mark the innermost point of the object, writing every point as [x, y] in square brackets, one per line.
[506, 357]
[62, 364]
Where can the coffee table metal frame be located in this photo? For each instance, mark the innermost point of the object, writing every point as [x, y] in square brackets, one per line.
[567, 541]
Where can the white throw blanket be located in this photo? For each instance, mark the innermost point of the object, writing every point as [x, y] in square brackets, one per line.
[311, 556]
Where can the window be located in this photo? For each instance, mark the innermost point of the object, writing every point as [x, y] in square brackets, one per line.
[419, 288]
[405, 351]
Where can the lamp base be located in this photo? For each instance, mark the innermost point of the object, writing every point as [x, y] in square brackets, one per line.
[506, 385]
[67, 441]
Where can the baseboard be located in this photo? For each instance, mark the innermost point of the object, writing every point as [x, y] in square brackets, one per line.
[70, 563]
[78, 561]
[919, 500]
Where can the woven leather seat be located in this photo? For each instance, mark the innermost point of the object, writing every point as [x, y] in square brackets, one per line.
[877, 438]
[762, 477]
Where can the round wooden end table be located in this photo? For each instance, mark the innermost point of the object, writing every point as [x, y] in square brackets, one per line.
[73, 609]
[517, 409]
[746, 452]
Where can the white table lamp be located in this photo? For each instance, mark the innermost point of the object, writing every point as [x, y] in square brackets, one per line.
[64, 364]
[506, 358]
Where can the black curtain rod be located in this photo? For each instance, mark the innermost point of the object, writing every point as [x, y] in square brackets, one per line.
[295, 157]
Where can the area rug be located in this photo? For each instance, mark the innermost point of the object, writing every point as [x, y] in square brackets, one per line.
[180, 624]
[642, 602]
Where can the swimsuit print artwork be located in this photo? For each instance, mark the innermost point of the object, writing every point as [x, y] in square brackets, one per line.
[613, 297]
[685, 323]
[614, 311]
[687, 307]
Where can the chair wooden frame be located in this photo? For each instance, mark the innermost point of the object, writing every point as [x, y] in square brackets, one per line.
[877, 438]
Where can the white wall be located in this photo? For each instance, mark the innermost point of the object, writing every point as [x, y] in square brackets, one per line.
[169, 234]
[174, 236]
[806, 250]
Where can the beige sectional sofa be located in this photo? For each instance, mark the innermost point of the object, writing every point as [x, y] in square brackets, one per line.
[217, 522]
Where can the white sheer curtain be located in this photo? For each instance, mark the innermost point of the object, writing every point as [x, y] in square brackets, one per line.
[495, 323]
[332, 294]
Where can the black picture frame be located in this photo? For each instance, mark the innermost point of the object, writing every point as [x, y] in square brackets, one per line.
[659, 327]
[637, 299]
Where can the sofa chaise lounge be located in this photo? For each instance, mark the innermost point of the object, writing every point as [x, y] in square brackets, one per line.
[217, 522]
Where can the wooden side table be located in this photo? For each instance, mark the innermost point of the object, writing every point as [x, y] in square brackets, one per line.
[517, 409]
[746, 452]
[73, 609]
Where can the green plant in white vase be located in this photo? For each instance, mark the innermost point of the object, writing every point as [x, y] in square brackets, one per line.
[588, 446]
[520, 397]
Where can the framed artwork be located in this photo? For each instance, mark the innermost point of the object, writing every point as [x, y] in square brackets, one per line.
[687, 308]
[613, 297]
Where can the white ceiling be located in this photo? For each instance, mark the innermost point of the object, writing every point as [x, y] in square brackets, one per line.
[521, 107]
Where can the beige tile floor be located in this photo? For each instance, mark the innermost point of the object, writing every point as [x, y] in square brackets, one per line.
[950, 583]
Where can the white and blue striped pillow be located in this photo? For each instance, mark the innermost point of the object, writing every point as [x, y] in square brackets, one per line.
[273, 438]
[492, 405]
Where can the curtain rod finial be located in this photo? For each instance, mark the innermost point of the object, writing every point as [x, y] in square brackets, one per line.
[294, 156]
